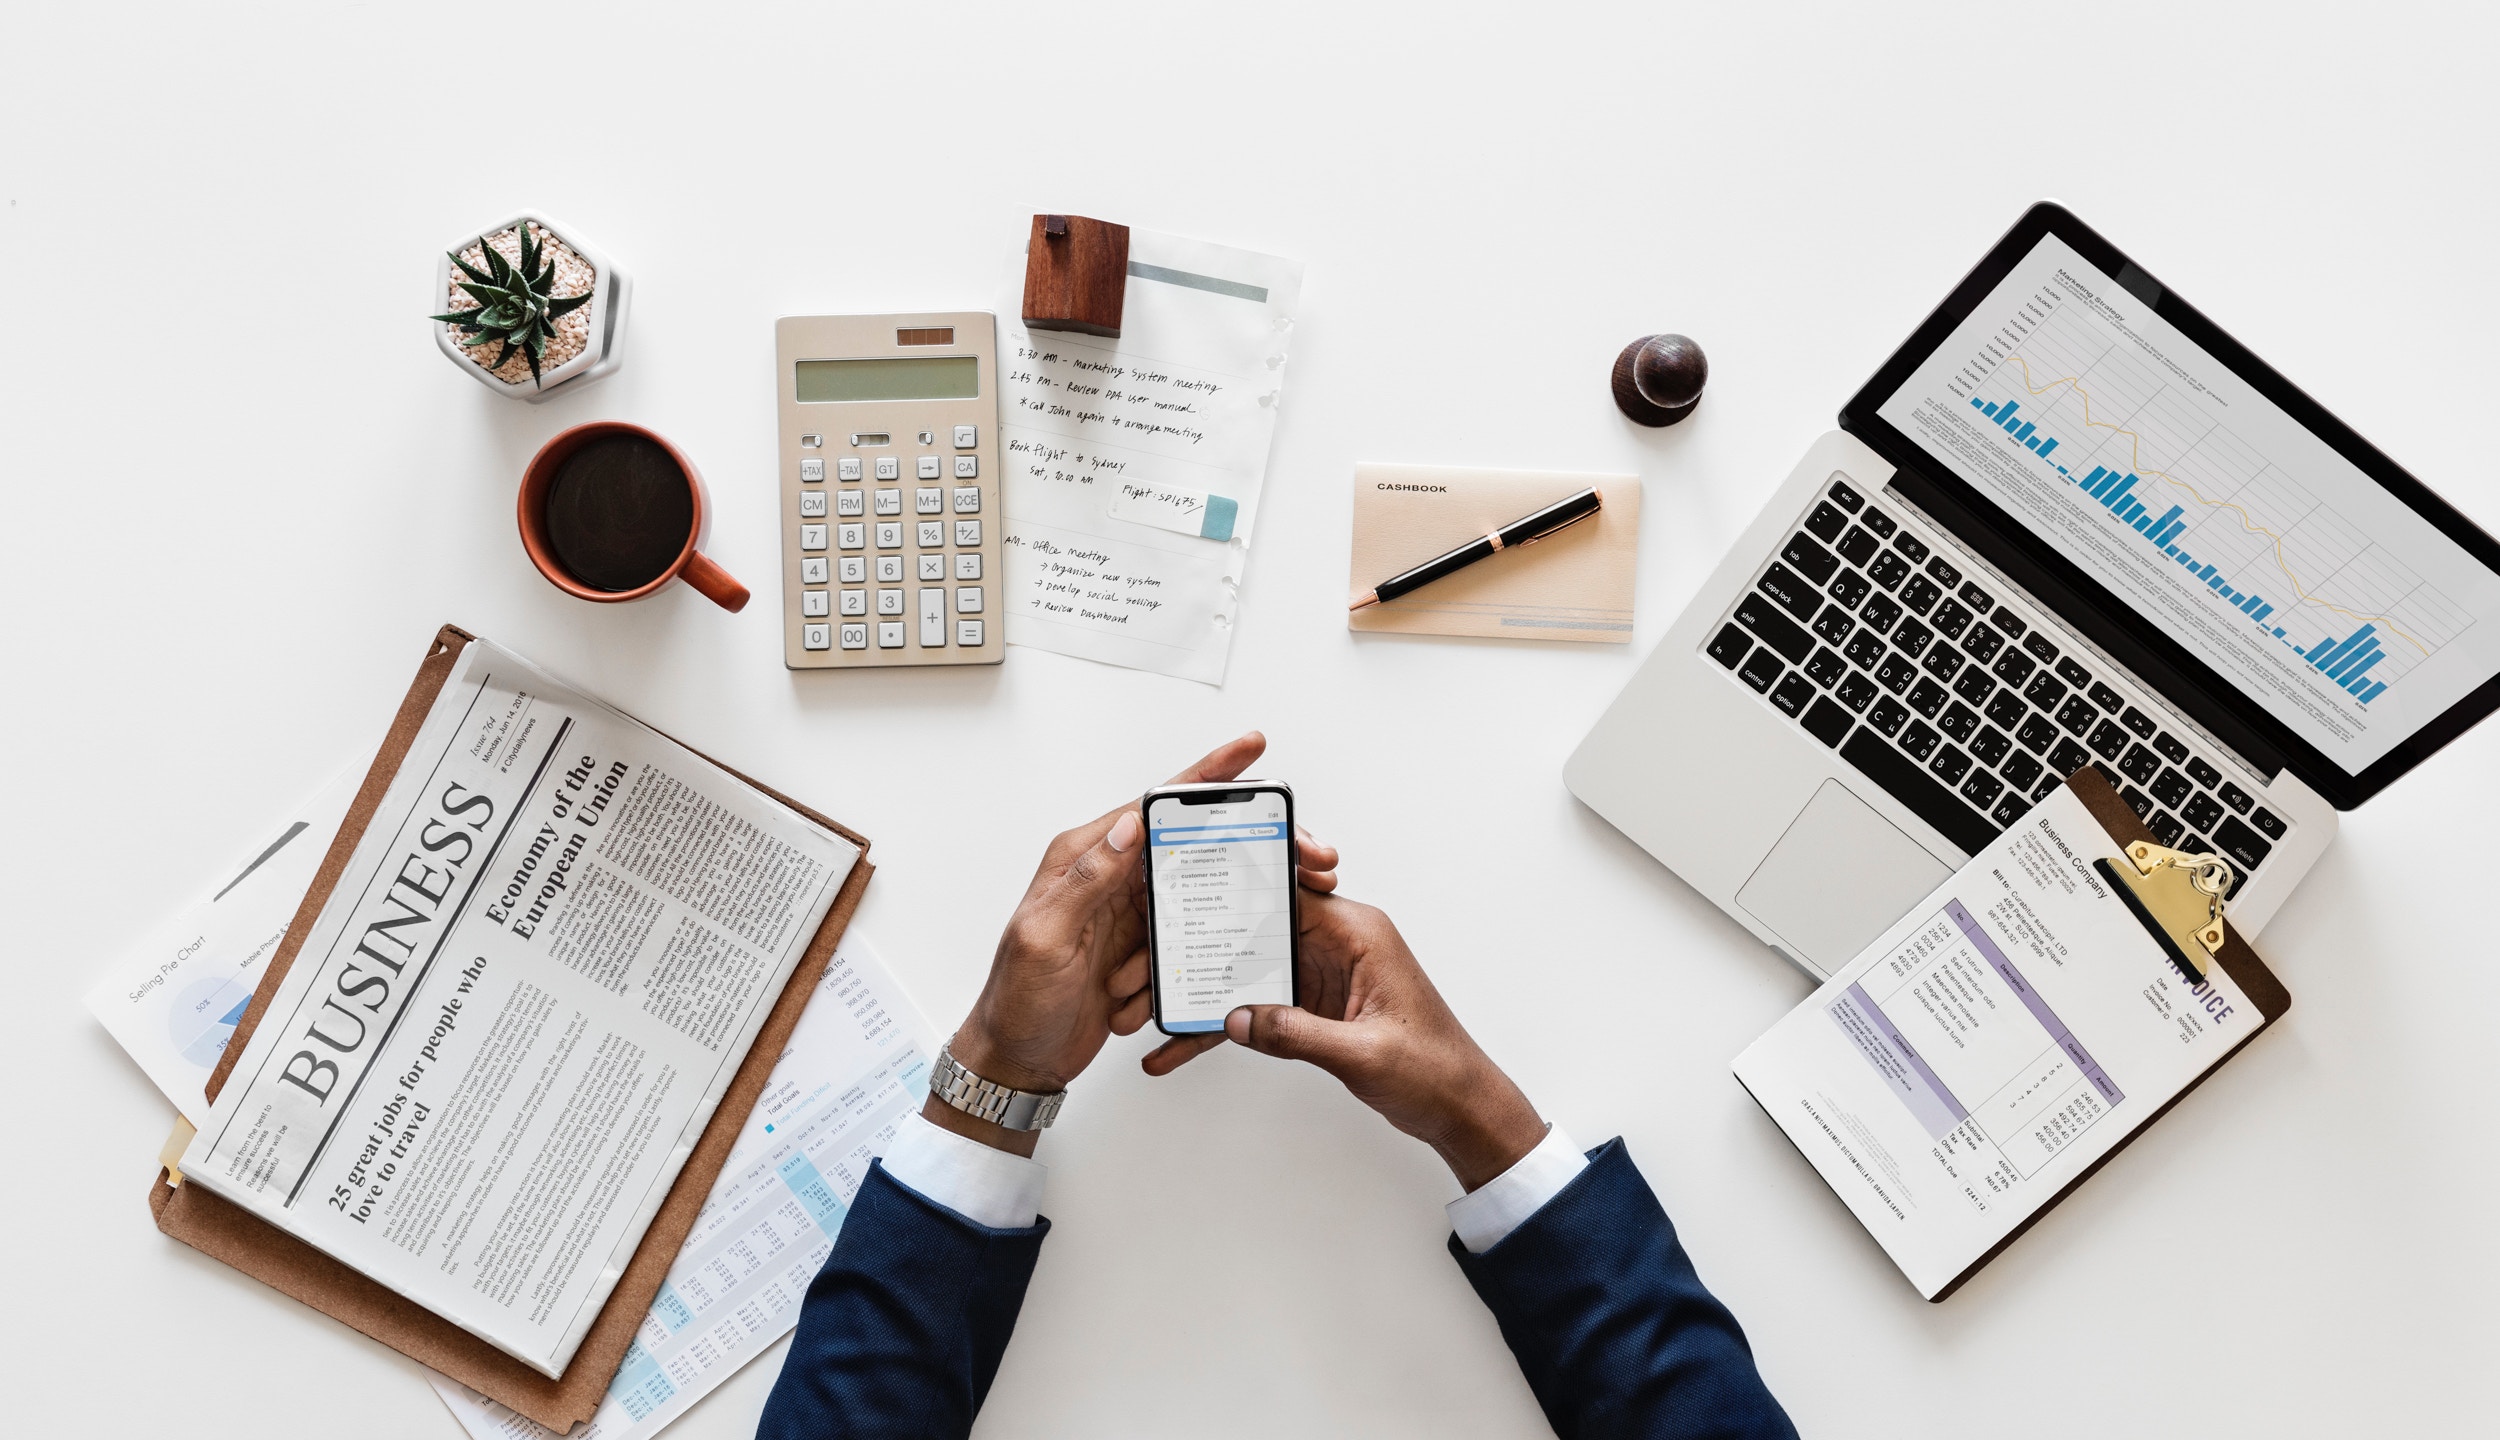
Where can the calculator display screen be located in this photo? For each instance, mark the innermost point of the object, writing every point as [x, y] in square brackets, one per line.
[932, 377]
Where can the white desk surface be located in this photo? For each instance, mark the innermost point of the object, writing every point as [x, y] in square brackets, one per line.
[228, 434]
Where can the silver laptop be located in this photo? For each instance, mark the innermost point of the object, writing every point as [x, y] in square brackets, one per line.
[2070, 523]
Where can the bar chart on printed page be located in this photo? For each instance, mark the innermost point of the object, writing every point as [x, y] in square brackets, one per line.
[2216, 514]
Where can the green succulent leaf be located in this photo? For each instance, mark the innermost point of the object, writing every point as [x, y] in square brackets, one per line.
[516, 304]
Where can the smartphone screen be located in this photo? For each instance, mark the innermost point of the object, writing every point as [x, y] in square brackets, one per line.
[1220, 868]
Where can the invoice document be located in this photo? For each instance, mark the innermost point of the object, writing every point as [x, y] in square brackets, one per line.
[1985, 1052]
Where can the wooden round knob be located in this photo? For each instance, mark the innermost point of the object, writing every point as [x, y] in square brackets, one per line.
[1658, 379]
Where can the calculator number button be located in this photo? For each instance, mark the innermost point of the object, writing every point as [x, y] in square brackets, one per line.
[967, 466]
[855, 637]
[967, 599]
[854, 602]
[854, 569]
[967, 499]
[889, 468]
[929, 467]
[967, 436]
[815, 571]
[932, 534]
[851, 502]
[812, 537]
[932, 567]
[967, 632]
[933, 618]
[812, 504]
[815, 603]
[889, 568]
[967, 532]
[967, 567]
[817, 637]
[889, 534]
[890, 634]
[852, 536]
[889, 602]
[931, 500]
[850, 467]
[812, 471]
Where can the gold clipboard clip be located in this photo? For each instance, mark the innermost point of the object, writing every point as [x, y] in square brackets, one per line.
[2178, 896]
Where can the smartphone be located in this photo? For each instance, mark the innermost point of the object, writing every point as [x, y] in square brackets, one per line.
[1219, 901]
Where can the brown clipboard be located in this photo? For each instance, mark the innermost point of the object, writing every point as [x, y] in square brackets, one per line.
[2237, 961]
[218, 1228]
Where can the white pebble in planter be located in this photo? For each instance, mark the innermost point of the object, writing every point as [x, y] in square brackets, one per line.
[556, 323]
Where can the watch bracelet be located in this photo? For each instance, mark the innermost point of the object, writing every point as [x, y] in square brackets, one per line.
[1000, 1105]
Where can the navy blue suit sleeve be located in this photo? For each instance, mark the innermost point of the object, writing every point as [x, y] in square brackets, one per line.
[902, 1330]
[1611, 1325]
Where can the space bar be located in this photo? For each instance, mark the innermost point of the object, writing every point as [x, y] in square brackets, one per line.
[1928, 800]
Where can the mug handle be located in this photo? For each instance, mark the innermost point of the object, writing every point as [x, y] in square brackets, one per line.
[714, 583]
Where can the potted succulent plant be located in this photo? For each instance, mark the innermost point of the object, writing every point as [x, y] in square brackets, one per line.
[530, 309]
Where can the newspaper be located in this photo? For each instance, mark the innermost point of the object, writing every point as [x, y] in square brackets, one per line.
[511, 1022]
[855, 1066]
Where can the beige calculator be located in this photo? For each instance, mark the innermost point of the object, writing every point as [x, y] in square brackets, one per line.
[889, 490]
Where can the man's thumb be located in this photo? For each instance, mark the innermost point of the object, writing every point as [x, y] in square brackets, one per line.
[1101, 867]
[1289, 1032]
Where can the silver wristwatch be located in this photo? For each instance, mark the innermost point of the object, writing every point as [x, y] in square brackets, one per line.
[976, 1097]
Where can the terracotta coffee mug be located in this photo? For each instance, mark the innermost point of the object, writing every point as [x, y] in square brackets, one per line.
[689, 564]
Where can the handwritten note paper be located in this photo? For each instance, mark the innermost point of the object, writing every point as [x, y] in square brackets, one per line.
[1183, 404]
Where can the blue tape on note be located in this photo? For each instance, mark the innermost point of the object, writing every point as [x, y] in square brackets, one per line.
[1218, 522]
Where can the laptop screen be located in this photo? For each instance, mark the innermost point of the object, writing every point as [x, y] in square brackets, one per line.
[2210, 511]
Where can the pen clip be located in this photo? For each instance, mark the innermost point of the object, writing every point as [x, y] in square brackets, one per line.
[1587, 514]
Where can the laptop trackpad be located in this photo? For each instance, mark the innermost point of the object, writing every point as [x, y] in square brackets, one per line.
[1838, 877]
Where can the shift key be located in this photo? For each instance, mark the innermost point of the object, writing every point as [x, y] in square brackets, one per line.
[1756, 613]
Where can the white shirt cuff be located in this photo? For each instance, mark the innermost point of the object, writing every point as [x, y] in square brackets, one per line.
[984, 1185]
[1485, 1217]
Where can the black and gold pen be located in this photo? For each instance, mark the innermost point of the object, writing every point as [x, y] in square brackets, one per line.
[1525, 531]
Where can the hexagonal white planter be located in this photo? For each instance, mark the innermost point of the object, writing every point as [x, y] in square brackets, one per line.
[604, 344]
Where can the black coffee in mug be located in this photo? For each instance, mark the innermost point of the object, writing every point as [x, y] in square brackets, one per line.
[619, 512]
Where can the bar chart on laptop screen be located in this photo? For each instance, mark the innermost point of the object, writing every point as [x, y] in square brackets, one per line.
[2166, 477]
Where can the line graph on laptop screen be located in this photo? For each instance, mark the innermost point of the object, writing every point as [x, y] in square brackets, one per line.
[2155, 468]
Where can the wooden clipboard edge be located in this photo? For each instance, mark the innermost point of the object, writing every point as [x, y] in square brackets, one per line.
[2237, 960]
[226, 1232]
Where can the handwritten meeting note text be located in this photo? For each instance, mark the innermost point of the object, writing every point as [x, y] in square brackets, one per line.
[1133, 466]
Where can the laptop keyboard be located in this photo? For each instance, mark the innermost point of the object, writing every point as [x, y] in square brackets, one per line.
[1957, 705]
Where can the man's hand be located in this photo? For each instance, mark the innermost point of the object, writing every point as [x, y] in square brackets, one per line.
[1370, 1017]
[1071, 969]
